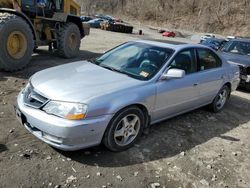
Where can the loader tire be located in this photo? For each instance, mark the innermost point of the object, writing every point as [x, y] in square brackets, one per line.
[68, 40]
[16, 42]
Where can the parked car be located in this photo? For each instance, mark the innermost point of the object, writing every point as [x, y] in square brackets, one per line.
[205, 37]
[113, 98]
[85, 18]
[237, 51]
[105, 17]
[168, 34]
[95, 23]
[230, 38]
[214, 43]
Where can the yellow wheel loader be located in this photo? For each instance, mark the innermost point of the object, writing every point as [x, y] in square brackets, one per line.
[27, 24]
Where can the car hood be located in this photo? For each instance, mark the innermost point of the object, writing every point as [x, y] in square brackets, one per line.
[236, 58]
[79, 82]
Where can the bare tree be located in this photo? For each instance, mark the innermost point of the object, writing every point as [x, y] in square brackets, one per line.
[200, 15]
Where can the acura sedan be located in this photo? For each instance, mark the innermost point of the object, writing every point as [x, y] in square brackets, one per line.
[113, 98]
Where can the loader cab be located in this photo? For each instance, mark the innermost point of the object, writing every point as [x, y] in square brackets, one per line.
[33, 8]
[45, 8]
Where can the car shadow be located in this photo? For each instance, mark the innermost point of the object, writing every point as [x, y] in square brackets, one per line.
[3, 148]
[43, 59]
[171, 137]
[243, 90]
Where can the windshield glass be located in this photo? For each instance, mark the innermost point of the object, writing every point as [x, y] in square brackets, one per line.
[211, 41]
[237, 47]
[138, 60]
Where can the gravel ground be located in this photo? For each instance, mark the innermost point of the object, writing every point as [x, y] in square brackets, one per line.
[194, 150]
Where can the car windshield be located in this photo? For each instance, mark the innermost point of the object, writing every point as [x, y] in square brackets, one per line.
[211, 41]
[237, 47]
[138, 60]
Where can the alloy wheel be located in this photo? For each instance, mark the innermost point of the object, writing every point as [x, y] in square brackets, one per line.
[222, 98]
[127, 130]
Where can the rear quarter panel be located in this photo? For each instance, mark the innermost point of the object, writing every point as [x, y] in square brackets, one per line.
[233, 74]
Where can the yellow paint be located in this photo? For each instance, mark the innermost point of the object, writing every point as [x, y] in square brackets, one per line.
[16, 44]
[71, 7]
[48, 33]
[72, 41]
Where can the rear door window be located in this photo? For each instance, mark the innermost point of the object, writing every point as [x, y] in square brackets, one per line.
[207, 59]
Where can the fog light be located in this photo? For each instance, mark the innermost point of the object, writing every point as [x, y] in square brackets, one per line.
[52, 138]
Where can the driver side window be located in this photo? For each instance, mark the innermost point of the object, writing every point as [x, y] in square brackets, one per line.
[185, 60]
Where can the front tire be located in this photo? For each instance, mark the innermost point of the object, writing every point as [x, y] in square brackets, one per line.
[220, 100]
[16, 44]
[124, 129]
[69, 40]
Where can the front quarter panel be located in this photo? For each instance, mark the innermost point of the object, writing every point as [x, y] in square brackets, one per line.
[112, 103]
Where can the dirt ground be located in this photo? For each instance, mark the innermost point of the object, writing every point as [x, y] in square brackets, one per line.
[194, 150]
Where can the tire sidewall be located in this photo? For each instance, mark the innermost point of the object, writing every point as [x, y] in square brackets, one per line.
[10, 26]
[109, 140]
[214, 106]
[72, 28]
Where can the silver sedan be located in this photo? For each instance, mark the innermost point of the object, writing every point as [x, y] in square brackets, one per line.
[113, 98]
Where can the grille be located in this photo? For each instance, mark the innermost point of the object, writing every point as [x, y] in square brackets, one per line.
[32, 98]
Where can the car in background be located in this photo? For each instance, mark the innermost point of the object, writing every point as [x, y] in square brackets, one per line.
[228, 38]
[113, 98]
[96, 23]
[105, 17]
[168, 34]
[214, 43]
[205, 37]
[86, 18]
[237, 51]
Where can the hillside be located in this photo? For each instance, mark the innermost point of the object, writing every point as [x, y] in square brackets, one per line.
[213, 16]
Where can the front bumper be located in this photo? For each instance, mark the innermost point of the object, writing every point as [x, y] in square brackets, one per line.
[245, 78]
[60, 133]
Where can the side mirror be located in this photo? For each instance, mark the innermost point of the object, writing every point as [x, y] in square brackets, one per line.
[173, 74]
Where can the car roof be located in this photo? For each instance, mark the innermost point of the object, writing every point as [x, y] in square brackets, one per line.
[216, 39]
[241, 39]
[170, 44]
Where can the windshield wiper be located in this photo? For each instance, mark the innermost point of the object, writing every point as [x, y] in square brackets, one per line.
[113, 69]
[119, 71]
[92, 60]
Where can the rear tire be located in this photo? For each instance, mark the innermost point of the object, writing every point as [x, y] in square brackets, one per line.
[69, 40]
[16, 44]
[220, 100]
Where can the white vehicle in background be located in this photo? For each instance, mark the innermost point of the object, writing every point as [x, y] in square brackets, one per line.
[230, 38]
[206, 36]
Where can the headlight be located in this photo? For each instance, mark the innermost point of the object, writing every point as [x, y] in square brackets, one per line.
[67, 110]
